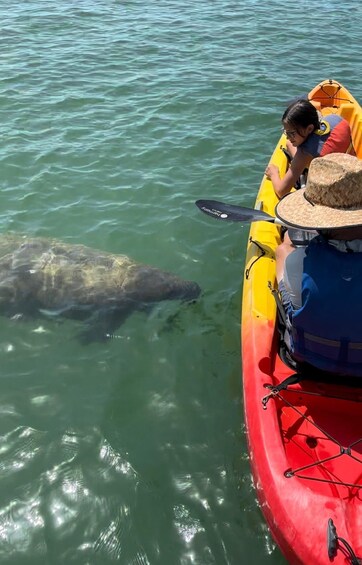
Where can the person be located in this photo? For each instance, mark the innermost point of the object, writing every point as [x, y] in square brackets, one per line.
[308, 137]
[320, 284]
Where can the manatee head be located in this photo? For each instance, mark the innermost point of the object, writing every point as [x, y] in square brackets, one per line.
[149, 284]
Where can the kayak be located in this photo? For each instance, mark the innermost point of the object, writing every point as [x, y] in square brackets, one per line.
[304, 437]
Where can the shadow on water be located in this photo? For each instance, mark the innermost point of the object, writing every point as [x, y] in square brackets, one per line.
[126, 452]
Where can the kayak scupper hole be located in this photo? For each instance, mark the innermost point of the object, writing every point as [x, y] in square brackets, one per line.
[311, 442]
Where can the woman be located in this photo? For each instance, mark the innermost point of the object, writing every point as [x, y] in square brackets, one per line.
[308, 137]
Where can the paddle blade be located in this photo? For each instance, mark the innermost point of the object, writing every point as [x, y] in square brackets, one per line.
[232, 213]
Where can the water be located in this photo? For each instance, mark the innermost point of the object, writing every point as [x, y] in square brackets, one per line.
[115, 118]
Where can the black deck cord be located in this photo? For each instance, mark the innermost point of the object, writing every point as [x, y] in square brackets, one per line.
[333, 541]
[343, 451]
[309, 373]
[275, 389]
[286, 153]
[280, 308]
[334, 95]
[263, 252]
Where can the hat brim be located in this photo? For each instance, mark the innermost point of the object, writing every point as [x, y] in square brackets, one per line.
[297, 212]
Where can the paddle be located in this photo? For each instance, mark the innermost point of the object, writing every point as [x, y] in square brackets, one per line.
[232, 213]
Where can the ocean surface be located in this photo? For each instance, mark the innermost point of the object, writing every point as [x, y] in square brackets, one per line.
[115, 117]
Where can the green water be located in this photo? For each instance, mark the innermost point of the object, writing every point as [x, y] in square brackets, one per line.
[115, 118]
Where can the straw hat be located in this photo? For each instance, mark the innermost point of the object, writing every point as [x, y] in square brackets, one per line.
[332, 197]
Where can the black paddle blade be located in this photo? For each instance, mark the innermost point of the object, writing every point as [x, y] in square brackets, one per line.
[232, 213]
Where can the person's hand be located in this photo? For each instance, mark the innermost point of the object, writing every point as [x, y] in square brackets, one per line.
[271, 171]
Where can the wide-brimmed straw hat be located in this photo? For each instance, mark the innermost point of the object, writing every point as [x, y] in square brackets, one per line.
[332, 197]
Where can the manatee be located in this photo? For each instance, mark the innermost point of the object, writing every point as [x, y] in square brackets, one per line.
[40, 276]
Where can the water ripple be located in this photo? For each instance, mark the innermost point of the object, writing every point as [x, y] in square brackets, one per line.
[116, 117]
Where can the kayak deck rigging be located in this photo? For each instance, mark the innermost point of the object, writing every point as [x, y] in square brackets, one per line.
[344, 449]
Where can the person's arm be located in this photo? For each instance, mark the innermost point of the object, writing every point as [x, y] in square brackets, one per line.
[289, 269]
[298, 164]
[281, 253]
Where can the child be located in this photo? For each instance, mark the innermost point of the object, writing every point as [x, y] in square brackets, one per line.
[307, 138]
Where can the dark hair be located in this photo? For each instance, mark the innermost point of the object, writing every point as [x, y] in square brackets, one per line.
[301, 114]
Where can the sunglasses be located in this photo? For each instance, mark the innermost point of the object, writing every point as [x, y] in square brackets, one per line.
[289, 133]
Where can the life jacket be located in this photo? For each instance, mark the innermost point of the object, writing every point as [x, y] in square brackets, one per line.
[334, 136]
[327, 330]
